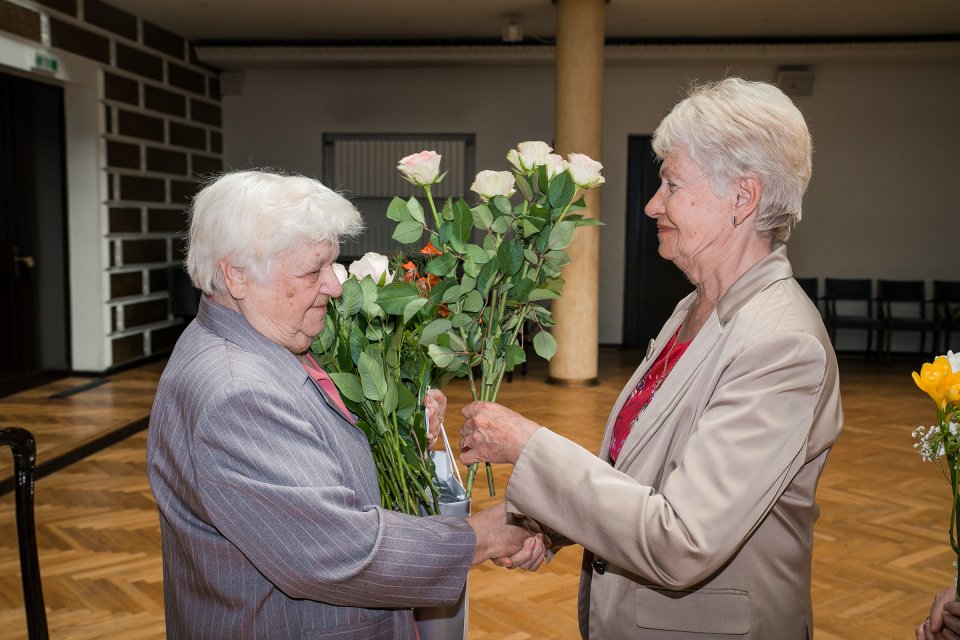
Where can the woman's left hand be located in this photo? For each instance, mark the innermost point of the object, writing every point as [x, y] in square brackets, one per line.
[436, 405]
[493, 433]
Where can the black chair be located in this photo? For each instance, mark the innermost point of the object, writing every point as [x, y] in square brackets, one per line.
[855, 292]
[903, 307]
[946, 312]
[24, 458]
[810, 287]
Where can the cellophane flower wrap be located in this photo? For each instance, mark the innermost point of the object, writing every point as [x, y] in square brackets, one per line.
[940, 442]
[497, 261]
[372, 348]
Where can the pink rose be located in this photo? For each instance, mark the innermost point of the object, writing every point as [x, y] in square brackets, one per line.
[421, 169]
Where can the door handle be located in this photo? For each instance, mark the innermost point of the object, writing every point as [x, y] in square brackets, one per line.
[18, 260]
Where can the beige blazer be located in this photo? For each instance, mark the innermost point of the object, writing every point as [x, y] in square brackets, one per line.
[705, 524]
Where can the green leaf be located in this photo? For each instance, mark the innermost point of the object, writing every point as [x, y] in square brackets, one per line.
[413, 308]
[398, 210]
[562, 235]
[371, 377]
[545, 345]
[561, 190]
[442, 265]
[452, 294]
[523, 186]
[501, 224]
[441, 356]
[358, 342]
[351, 299]
[348, 385]
[485, 277]
[462, 221]
[406, 403]
[446, 212]
[472, 302]
[470, 268]
[542, 294]
[468, 282]
[477, 254]
[434, 329]
[370, 294]
[460, 320]
[501, 204]
[408, 232]
[416, 211]
[523, 289]
[390, 398]
[514, 355]
[395, 297]
[510, 256]
[542, 181]
[482, 216]
[440, 289]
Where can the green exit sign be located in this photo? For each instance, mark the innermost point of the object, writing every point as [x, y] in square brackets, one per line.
[45, 62]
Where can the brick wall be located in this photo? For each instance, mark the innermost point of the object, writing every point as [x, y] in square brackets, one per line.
[162, 135]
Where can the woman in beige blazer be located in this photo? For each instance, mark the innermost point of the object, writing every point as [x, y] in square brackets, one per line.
[697, 516]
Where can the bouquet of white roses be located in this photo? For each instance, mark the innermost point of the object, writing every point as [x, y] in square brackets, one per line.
[494, 286]
[941, 380]
[371, 346]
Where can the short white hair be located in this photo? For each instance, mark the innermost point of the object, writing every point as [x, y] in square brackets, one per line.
[740, 128]
[248, 218]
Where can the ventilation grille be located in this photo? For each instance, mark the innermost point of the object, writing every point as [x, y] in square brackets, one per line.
[364, 169]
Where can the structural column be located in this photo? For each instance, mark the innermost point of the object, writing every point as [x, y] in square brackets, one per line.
[578, 128]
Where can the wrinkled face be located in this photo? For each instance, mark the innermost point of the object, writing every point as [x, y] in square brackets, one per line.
[290, 305]
[692, 222]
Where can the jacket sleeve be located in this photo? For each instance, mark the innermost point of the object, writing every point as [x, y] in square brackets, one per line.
[273, 485]
[746, 447]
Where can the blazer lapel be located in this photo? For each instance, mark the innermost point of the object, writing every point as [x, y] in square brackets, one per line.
[669, 328]
[329, 401]
[678, 382]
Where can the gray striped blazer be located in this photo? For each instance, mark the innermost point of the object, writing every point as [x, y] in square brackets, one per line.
[269, 506]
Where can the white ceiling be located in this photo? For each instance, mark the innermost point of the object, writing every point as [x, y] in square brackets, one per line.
[379, 21]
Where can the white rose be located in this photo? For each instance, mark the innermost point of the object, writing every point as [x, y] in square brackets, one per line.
[494, 183]
[954, 359]
[421, 169]
[529, 155]
[340, 271]
[585, 171]
[555, 165]
[373, 265]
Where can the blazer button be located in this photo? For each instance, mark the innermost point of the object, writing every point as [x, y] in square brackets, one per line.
[599, 566]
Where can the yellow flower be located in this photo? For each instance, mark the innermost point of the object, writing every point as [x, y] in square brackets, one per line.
[935, 378]
[952, 396]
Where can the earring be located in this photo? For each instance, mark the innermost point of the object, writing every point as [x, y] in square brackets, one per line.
[734, 221]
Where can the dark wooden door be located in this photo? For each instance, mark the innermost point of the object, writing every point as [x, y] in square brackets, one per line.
[652, 285]
[34, 337]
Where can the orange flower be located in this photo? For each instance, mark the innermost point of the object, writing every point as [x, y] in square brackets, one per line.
[443, 312]
[411, 272]
[430, 250]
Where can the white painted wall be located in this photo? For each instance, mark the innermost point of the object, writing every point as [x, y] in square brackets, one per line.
[880, 205]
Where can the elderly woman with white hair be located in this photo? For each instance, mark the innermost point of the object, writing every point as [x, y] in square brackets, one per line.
[697, 516]
[268, 497]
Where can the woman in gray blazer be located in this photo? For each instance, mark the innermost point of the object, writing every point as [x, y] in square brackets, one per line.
[268, 497]
[697, 516]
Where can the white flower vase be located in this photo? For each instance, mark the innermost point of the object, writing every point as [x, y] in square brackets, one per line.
[450, 622]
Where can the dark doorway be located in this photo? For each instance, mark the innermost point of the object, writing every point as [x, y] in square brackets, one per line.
[652, 286]
[34, 343]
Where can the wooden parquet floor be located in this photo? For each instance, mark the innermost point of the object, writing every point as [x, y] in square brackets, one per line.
[881, 547]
